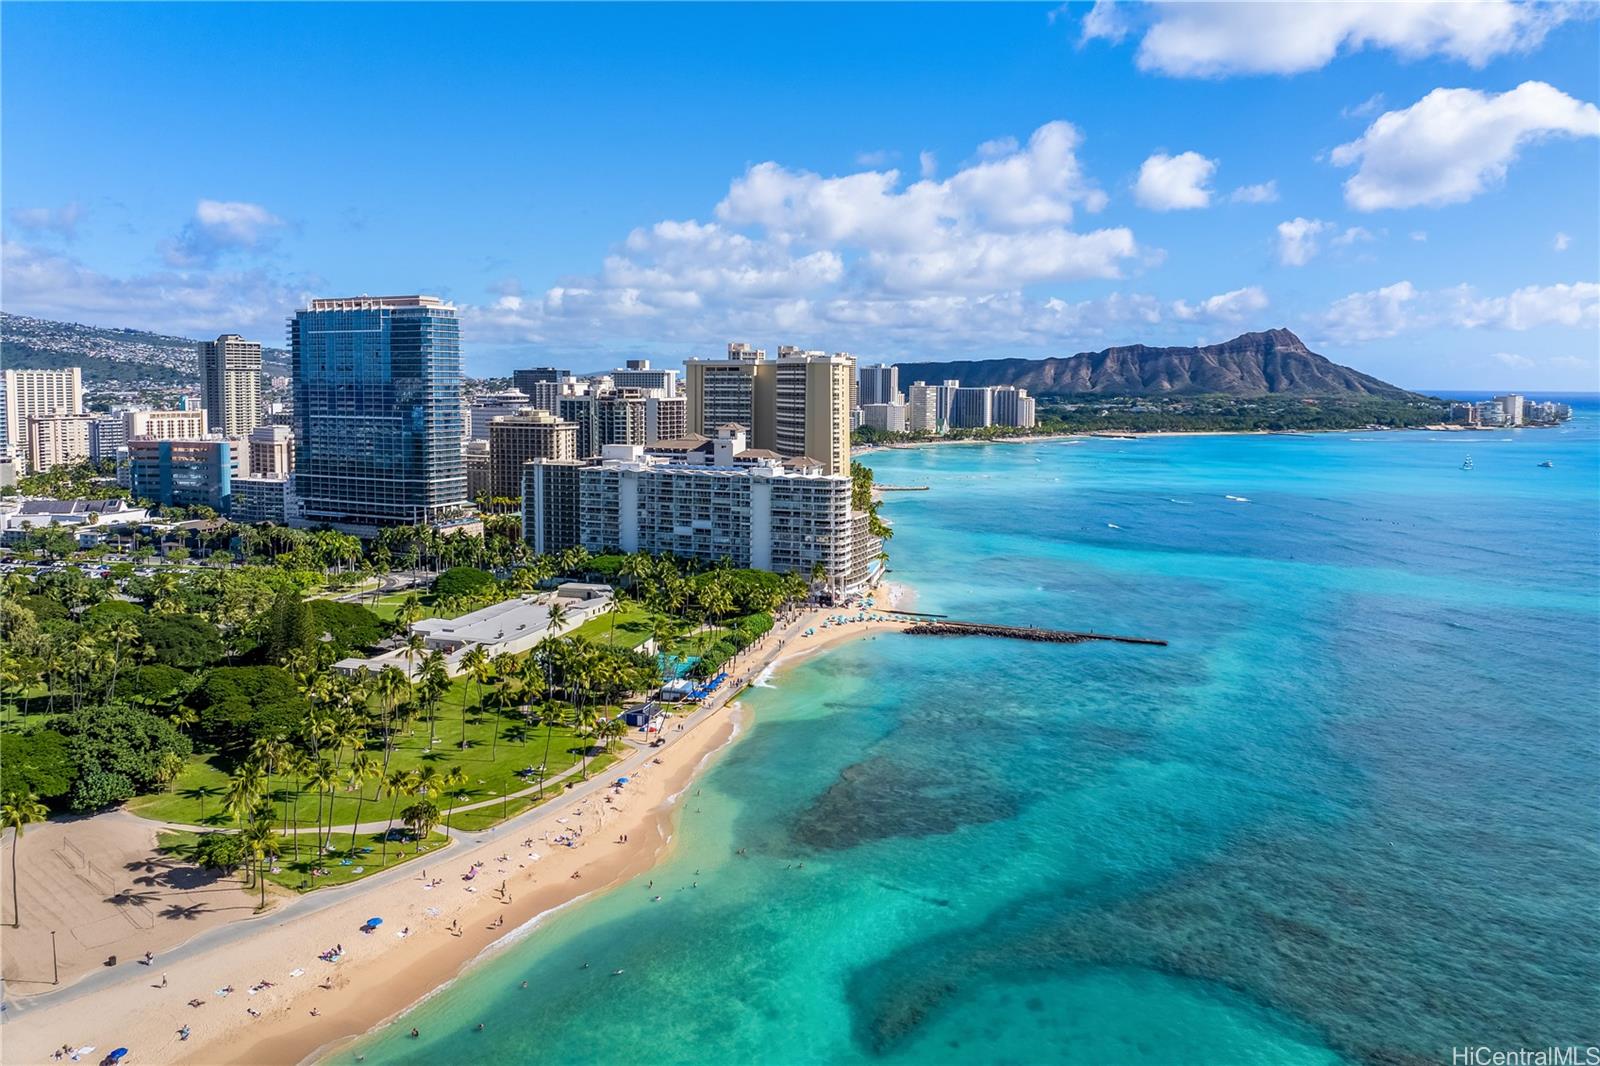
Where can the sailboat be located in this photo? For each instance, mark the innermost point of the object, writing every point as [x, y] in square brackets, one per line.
[1466, 464]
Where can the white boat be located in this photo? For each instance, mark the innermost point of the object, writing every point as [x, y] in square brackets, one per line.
[1547, 464]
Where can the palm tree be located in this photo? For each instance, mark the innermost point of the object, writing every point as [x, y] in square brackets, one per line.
[420, 818]
[455, 782]
[396, 783]
[435, 683]
[558, 617]
[263, 844]
[120, 632]
[244, 792]
[16, 811]
[300, 765]
[505, 670]
[388, 685]
[476, 663]
[362, 769]
[323, 778]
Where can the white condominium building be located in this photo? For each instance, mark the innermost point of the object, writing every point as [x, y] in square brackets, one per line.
[37, 394]
[922, 409]
[889, 417]
[168, 425]
[759, 511]
[230, 383]
[57, 440]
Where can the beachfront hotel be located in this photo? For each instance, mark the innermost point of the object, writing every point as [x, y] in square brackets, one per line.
[707, 499]
[796, 405]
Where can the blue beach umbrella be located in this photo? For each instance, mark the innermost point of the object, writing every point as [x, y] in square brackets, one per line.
[374, 921]
[116, 1056]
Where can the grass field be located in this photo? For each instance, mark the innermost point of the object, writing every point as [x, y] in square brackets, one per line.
[499, 742]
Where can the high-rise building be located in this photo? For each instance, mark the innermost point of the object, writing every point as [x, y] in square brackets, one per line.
[271, 451]
[888, 417]
[57, 440]
[260, 499]
[476, 461]
[377, 412]
[879, 384]
[638, 374]
[524, 380]
[922, 408]
[665, 418]
[550, 504]
[515, 439]
[812, 408]
[493, 405]
[37, 394]
[230, 383]
[738, 390]
[1012, 406]
[1511, 408]
[971, 408]
[107, 433]
[168, 425]
[183, 473]
[764, 513]
[616, 416]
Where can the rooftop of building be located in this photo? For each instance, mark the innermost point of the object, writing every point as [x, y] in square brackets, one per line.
[31, 507]
[375, 303]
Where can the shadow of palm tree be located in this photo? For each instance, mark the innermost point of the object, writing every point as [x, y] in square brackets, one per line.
[179, 912]
[130, 897]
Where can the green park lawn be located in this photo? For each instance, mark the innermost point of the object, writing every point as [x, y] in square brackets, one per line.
[296, 874]
[490, 763]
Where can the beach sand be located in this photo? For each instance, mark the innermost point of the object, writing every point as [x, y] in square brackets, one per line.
[382, 973]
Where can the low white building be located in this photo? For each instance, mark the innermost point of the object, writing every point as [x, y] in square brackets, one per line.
[90, 519]
[507, 628]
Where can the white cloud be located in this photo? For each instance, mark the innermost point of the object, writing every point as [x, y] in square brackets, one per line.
[1227, 307]
[220, 226]
[1218, 39]
[928, 163]
[1265, 193]
[1354, 235]
[1385, 312]
[863, 258]
[880, 157]
[62, 221]
[1511, 359]
[1370, 106]
[1420, 235]
[191, 303]
[1107, 20]
[1454, 143]
[1172, 183]
[1561, 243]
[1298, 240]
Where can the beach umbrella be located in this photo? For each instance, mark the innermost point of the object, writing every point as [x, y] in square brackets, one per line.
[622, 780]
[374, 921]
[116, 1056]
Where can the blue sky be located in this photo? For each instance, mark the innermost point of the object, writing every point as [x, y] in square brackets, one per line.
[1410, 187]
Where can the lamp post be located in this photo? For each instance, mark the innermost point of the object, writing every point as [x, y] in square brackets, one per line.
[55, 966]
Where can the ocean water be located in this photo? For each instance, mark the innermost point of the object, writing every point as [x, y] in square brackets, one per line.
[1350, 814]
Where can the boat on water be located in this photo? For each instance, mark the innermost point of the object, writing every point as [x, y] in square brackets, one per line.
[1466, 464]
[1547, 464]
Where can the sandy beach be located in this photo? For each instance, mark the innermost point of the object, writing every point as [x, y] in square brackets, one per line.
[435, 923]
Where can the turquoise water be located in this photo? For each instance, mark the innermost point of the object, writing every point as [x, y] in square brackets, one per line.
[1349, 815]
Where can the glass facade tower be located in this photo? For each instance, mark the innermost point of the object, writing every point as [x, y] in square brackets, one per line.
[377, 411]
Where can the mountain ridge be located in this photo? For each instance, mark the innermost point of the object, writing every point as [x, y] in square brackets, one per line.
[1266, 363]
[109, 354]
